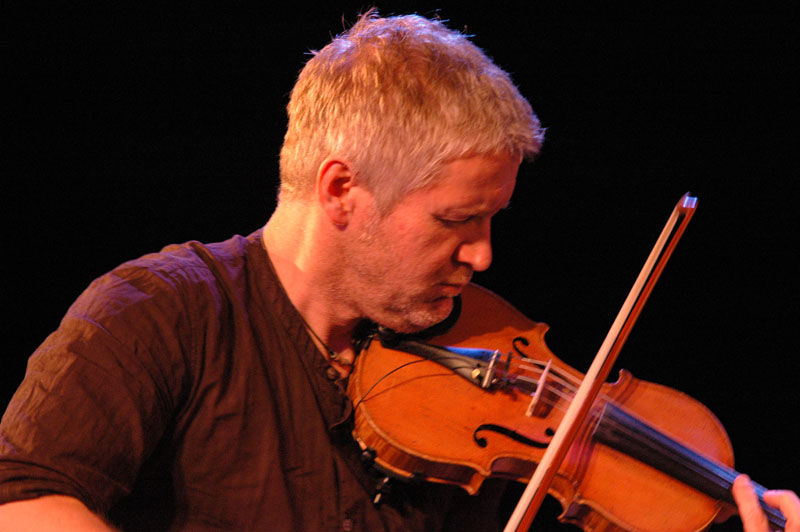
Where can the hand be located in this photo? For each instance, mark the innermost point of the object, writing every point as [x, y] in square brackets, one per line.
[753, 517]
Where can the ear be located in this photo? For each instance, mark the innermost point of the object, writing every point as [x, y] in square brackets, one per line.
[335, 184]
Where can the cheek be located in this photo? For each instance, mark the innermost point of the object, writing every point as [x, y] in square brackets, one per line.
[432, 257]
[418, 249]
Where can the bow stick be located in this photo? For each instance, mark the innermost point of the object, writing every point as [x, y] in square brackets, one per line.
[534, 494]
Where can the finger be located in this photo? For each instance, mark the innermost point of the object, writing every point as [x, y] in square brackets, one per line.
[753, 517]
[789, 505]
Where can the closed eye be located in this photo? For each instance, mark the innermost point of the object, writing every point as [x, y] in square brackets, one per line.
[457, 221]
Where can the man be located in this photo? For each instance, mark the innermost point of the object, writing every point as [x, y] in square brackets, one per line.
[202, 388]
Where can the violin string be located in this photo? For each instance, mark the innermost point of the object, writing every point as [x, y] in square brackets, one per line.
[541, 364]
[555, 391]
[559, 377]
[565, 380]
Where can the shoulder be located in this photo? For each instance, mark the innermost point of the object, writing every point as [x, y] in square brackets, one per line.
[195, 262]
[182, 272]
[163, 306]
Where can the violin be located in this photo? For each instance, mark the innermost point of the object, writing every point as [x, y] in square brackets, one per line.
[486, 398]
[647, 458]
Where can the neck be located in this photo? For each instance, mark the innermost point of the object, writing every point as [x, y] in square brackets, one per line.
[305, 258]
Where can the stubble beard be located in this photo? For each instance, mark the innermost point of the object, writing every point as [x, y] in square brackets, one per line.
[386, 294]
[415, 316]
[388, 297]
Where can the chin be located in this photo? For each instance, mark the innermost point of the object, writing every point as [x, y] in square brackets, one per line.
[419, 316]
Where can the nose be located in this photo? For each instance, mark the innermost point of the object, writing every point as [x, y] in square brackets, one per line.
[476, 251]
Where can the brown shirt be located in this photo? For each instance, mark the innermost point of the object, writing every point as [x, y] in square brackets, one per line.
[182, 392]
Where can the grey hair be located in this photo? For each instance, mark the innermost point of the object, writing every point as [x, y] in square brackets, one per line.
[398, 98]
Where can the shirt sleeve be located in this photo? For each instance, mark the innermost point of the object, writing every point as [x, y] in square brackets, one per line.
[99, 393]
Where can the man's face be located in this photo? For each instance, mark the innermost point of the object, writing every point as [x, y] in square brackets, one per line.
[404, 269]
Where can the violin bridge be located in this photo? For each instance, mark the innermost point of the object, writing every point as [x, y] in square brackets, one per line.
[488, 375]
[539, 389]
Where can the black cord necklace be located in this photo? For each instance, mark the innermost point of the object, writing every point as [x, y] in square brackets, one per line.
[332, 355]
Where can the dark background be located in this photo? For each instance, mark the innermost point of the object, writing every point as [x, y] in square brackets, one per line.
[129, 129]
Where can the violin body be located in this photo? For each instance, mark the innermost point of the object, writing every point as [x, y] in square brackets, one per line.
[422, 421]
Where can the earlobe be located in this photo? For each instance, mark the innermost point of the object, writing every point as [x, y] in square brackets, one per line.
[335, 181]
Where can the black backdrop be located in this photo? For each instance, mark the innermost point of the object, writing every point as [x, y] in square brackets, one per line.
[130, 129]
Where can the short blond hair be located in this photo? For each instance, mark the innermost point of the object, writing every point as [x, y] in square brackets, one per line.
[398, 98]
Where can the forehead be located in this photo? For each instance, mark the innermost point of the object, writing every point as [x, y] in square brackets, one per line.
[481, 183]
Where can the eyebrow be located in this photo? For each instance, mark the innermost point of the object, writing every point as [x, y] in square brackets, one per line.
[470, 211]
